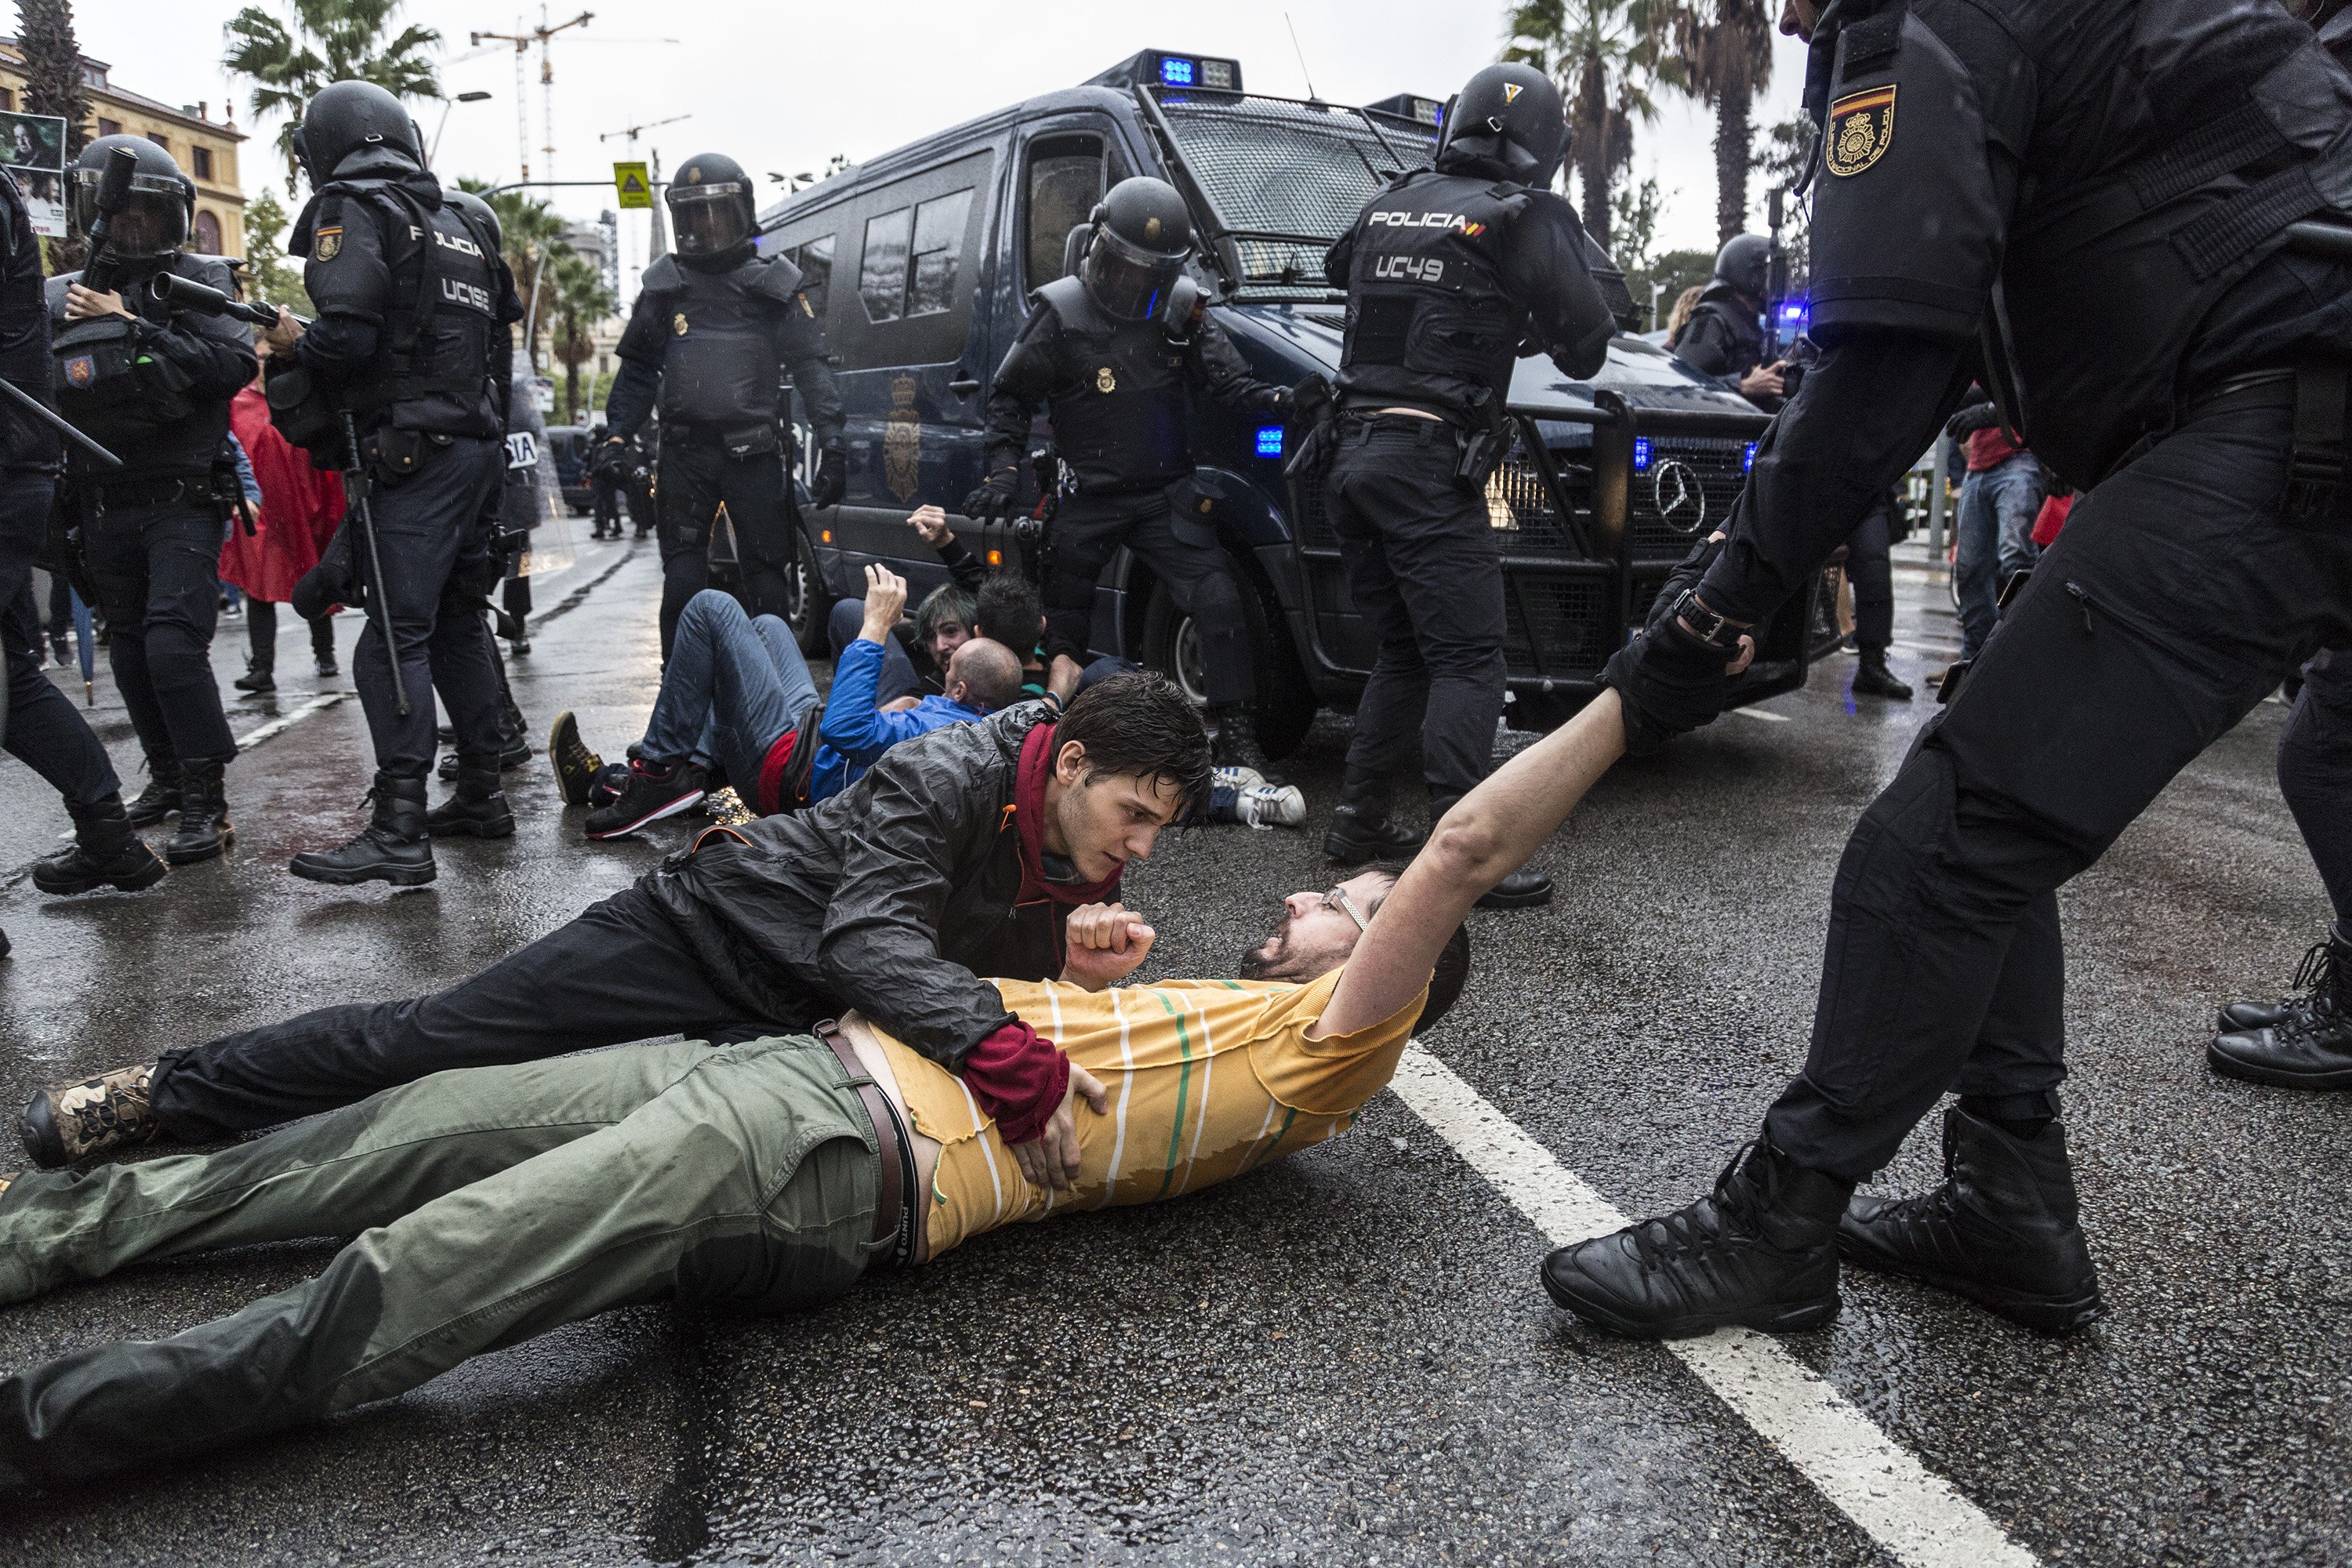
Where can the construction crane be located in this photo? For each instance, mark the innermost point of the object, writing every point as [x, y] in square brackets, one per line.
[543, 35]
[634, 131]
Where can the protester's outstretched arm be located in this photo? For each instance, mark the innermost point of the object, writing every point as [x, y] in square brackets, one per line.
[1489, 833]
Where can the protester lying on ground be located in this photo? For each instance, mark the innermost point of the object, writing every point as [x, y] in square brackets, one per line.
[955, 856]
[1008, 606]
[912, 666]
[497, 1204]
[737, 696]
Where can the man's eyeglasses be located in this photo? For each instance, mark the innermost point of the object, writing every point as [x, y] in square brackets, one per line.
[1338, 898]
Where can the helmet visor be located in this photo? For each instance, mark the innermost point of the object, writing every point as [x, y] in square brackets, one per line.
[1126, 279]
[155, 222]
[710, 218]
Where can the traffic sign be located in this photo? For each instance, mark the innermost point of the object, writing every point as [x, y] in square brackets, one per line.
[636, 190]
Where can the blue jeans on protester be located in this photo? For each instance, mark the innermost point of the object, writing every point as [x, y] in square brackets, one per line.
[734, 686]
[1998, 506]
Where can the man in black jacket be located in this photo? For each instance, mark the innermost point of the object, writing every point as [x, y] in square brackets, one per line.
[1114, 350]
[713, 330]
[957, 855]
[153, 384]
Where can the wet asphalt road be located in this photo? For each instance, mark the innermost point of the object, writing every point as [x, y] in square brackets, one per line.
[1344, 1357]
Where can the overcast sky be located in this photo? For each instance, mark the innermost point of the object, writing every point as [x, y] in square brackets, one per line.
[782, 87]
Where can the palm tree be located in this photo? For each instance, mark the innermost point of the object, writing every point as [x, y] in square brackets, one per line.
[1605, 54]
[581, 300]
[330, 41]
[1722, 56]
[53, 81]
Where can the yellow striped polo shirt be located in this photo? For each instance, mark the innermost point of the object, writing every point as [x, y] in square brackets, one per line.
[1207, 1078]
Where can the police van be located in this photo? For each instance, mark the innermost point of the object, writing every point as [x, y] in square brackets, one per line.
[920, 263]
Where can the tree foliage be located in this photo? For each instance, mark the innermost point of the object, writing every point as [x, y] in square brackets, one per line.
[1787, 148]
[327, 41]
[1720, 52]
[1605, 56]
[581, 301]
[53, 84]
[276, 277]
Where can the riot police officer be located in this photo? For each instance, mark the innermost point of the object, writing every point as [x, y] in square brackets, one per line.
[153, 384]
[715, 326]
[40, 725]
[410, 353]
[1114, 349]
[2127, 171]
[1725, 339]
[1452, 273]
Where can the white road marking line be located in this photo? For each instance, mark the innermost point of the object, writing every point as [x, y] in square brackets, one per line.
[1759, 713]
[286, 721]
[1917, 1517]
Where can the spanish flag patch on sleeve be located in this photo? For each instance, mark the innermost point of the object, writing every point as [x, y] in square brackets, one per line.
[1861, 130]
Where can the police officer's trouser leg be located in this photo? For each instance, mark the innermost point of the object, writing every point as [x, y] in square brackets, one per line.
[425, 524]
[40, 725]
[2176, 600]
[687, 498]
[1870, 570]
[1186, 556]
[754, 489]
[2315, 772]
[1421, 567]
[156, 570]
[1087, 531]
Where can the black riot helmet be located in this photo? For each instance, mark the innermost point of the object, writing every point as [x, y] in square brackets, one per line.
[1744, 262]
[710, 207]
[1508, 117]
[345, 120]
[1142, 238]
[157, 208]
[485, 217]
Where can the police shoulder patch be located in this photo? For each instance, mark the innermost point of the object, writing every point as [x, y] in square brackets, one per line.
[327, 244]
[1861, 130]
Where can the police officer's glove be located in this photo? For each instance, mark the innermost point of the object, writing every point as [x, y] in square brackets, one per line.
[832, 482]
[996, 497]
[1672, 682]
[331, 582]
[1310, 403]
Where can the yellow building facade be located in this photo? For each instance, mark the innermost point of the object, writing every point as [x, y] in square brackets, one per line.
[205, 148]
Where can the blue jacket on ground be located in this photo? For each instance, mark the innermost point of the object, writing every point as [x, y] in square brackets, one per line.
[855, 733]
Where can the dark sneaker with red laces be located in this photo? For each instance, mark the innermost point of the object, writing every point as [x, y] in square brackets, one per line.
[655, 791]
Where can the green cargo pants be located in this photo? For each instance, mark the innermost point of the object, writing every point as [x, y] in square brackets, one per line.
[489, 1205]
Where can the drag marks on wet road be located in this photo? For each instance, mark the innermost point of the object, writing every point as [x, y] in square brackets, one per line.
[1917, 1517]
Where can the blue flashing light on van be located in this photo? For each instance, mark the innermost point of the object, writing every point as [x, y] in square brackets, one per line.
[1641, 454]
[1176, 72]
[1747, 458]
[1269, 440]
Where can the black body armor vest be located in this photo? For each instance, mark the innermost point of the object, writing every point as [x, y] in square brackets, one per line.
[1119, 402]
[1429, 322]
[722, 368]
[431, 370]
[137, 405]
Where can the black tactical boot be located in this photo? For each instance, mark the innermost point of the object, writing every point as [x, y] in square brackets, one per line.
[106, 852]
[161, 796]
[1237, 744]
[2000, 1230]
[514, 738]
[479, 809]
[2311, 1044]
[1873, 679]
[392, 847]
[1760, 1253]
[94, 1116]
[2238, 1017]
[205, 827]
[1360, 831]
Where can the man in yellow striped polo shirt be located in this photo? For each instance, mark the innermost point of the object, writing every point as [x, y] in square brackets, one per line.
[493, 1204]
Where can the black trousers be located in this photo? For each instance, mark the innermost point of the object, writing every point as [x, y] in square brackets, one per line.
[696, 478]
[261, 634]
[1422, 568]
[40, 726]
[157, 573]
[1870, 570]
[2175, 601]
[2315, 771]
[605, 495]
[1182, 552]
[427, 531]
[619, 972]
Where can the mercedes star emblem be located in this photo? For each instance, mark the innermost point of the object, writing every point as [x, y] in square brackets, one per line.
[1682, 502]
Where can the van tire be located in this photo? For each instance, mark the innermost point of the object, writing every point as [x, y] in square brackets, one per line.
[1284, 707]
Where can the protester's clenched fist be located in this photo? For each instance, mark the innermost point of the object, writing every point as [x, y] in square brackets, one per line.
[1106, 942]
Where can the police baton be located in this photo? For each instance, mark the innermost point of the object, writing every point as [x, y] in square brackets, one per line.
[41, 411]
[355, 497]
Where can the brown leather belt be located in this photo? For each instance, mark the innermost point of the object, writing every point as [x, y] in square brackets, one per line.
[895, 1180]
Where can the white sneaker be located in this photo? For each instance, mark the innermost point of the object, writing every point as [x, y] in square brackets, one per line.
[1265, 806]
[1235, 778]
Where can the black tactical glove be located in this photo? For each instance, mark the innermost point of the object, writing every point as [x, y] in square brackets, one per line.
[331, 582]
[1310, 403]
[1671, 679]
[996, 497]
[832, 482]
[1970, 419]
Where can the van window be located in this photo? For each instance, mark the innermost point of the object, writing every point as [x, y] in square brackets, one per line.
[917, 267]
[900, 276]
[1066, 181]
[814, 258]
[882, 273]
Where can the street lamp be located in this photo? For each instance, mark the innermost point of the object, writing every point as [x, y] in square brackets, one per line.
[478, 96]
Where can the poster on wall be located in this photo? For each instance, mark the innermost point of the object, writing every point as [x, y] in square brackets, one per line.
[33, 149]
